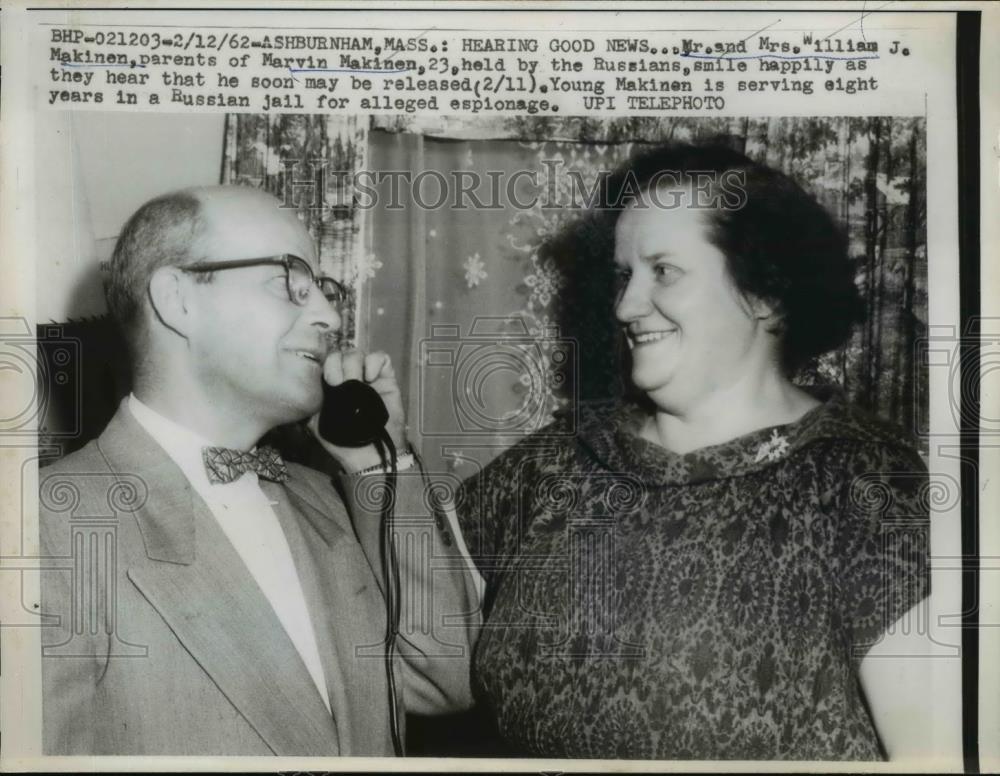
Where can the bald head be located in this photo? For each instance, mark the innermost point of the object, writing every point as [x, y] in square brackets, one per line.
[191, 225]
[245, 223]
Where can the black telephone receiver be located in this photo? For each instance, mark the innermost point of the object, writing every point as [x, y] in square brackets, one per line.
[353, 414]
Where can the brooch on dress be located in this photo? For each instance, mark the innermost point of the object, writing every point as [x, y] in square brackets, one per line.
[772, 449]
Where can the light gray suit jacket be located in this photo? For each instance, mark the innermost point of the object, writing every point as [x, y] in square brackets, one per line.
[159, 641]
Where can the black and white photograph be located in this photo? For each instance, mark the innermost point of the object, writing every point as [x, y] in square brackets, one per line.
[496, 420]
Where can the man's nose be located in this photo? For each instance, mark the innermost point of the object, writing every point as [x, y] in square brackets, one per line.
[322, 312]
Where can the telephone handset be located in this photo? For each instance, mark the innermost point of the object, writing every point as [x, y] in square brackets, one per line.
[354, 415]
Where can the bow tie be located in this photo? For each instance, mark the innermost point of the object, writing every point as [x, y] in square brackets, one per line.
[224, 465]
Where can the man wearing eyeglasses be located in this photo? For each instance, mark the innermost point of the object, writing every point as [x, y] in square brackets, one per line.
[232, 607]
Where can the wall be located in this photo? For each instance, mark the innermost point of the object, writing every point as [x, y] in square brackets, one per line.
[92, 171]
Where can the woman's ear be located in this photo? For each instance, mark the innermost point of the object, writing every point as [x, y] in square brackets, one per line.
[767, 311]
[169, 299]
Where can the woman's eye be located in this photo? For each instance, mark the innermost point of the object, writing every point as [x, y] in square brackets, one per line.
[666, 271]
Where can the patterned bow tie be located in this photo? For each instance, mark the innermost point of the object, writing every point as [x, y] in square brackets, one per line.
[223, 464]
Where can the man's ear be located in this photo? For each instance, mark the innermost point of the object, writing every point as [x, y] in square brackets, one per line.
[169, 296]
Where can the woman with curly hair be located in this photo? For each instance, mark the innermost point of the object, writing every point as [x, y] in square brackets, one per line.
[701, 570]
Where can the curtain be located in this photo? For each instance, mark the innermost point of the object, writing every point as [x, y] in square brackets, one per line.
[494, 324]
[465, 301]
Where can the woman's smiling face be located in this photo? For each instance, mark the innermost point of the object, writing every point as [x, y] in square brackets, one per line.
[690, 330]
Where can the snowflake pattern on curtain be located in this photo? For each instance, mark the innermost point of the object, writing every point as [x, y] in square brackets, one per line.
[475, 272]
[542, 282]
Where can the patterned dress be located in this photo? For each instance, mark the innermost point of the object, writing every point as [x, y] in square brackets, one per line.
[714, 605]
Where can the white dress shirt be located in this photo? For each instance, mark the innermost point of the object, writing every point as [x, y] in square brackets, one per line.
[247, 518]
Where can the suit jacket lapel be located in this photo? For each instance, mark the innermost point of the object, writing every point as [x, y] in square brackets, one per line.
[202, 589]
[333, 568]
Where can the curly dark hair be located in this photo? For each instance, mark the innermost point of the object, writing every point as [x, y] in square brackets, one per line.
[780, 244]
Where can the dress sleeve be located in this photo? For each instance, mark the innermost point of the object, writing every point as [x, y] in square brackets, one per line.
[883, 542]
[485, 504]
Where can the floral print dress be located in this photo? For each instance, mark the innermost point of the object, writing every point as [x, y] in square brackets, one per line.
[714, 605]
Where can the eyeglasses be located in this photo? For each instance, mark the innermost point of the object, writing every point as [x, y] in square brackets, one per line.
[299, 276]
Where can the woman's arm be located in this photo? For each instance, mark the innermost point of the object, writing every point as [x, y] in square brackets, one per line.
[885, 582]
[899, 681]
